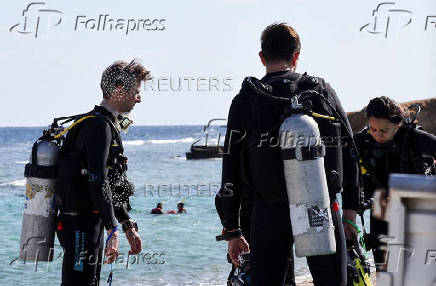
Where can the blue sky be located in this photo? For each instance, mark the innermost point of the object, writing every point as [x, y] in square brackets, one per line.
[58, 72]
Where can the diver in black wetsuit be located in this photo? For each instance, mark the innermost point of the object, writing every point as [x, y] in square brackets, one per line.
[271, 234]
[157, 209]
[93, 190]
[391, 144]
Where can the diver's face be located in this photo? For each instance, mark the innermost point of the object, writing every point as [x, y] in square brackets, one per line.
[132, 97]
[126, 100]
[382, 130]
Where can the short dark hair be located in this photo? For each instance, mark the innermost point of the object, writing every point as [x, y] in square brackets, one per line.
[122, 74]
[279, 41]
[386, 108]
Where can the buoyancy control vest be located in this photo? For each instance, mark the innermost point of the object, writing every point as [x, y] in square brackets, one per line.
[294, 127]
[73, 177]
[264, 158]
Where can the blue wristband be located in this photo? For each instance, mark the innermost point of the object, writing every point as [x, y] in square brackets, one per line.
[110, 234]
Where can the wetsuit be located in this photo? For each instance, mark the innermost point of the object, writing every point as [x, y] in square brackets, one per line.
[87, 207]
[247, 201]
[271, 234]
[411, 151]
[156, 211]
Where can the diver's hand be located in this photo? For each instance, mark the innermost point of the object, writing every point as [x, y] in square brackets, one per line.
[134, 241]
[111, 249]
[237, 246]
[350, 231]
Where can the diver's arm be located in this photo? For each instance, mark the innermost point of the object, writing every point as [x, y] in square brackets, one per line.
[228, 199]
[97, 142]
[425, 142]
[121, 214]
[350, 184]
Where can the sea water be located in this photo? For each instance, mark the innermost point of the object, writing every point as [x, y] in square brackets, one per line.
[178, 249]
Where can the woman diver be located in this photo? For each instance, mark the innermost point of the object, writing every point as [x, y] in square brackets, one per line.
[391, 144]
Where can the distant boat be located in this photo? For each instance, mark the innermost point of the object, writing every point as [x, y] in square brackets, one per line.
[206, 151]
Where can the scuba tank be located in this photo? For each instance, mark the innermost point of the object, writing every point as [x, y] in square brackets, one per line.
[37, 231]
[40, 209]
[309, 202]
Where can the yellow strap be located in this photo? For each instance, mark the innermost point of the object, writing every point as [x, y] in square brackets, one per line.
[314, 114]
[364, 278]
[72, 125]
[363, 170]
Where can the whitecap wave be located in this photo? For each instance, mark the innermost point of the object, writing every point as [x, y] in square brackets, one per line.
[16, 183]
[178, 157]
[21, 162]
[134, 142]
[158, 141]
[171, 141]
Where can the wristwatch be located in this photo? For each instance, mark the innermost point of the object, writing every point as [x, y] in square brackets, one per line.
[229, 235]
[128, 224]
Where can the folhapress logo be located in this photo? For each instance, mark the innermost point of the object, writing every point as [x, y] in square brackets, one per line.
[37, 20]
[106, 23]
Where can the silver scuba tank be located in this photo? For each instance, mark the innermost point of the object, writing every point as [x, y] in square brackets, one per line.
[306, 184]
[38, 227]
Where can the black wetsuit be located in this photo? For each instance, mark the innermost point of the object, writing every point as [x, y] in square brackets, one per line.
[271, 233]
[411, 151]
[156, 211]
[245, 214]
[87, 206]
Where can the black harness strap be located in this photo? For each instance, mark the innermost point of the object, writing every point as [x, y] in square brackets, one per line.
[307, 153]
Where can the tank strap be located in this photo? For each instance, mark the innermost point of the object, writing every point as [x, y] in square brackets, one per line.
[306, 153]
[72, 125]
[114, 131]
[43, 172]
